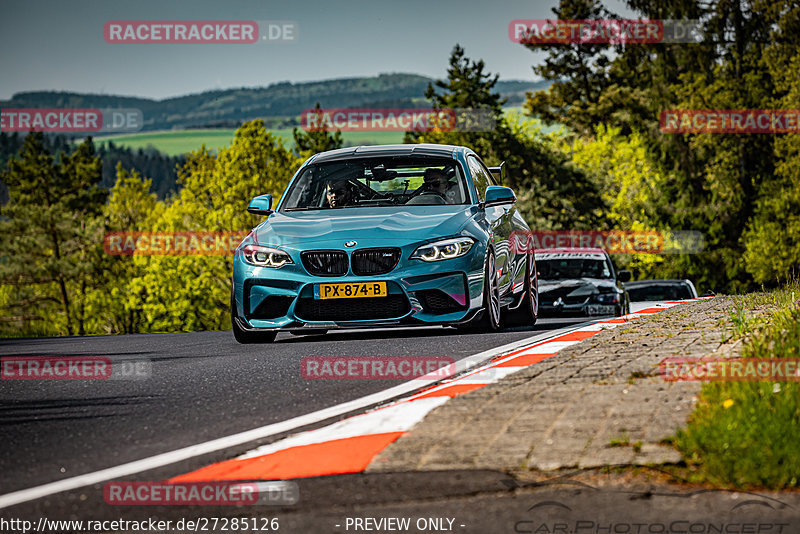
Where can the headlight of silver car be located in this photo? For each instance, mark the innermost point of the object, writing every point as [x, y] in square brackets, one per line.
[444, 250]
[265, 256]
[608, 298]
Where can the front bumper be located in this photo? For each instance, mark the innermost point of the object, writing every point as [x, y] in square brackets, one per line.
[419, 293]
[587, 308]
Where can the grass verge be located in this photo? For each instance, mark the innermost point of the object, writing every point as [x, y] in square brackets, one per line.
[747, 434]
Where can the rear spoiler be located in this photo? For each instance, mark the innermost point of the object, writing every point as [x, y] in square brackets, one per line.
[499, 173]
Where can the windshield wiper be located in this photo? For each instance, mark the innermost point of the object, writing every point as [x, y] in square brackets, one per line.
[301, 209]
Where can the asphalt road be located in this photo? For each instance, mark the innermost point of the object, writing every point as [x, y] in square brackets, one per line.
[202, 386]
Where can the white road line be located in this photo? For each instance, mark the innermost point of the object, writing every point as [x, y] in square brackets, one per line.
[167, 458]
[403, 415]
[399, 417]
[487, 376]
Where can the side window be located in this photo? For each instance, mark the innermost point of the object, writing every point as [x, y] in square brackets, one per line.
[607, 269]
[480, 175]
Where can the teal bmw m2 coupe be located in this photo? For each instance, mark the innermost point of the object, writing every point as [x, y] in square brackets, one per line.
[384, 236]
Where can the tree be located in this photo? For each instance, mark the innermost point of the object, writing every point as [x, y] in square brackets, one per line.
[631, 183]
[315, 140]
[116, 305]
[579, 72]
[467, 88]
[551, 193]
[772, 239]
[191, 293]
[713, 179]
[50, 236]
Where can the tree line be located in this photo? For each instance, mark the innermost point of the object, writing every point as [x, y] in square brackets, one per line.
[613, 166]
[55, 277]
[161, 168]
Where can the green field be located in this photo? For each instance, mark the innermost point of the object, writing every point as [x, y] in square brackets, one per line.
[176, 142]
[172, 143]
[535, 122]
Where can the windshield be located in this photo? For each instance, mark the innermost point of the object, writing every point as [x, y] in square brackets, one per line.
[377, 182]
[660, 292]
[565, 268]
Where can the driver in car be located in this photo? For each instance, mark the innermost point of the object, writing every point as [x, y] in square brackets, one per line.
[436, 181]
[339, 193]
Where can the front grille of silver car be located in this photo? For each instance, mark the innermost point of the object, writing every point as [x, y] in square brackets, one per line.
[372, 261]
[325, 262]
[564, 293]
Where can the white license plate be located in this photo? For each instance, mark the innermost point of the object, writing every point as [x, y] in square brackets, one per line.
[598, 309]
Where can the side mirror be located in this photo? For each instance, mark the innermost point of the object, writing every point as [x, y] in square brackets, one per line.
[624, 276]
[261, 205]
[497, 195]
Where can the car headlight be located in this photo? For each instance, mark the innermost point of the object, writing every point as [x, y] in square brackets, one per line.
[265, 256]
[444, 250]
[608, 298]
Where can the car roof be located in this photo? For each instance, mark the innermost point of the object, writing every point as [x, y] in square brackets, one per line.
[422, 149]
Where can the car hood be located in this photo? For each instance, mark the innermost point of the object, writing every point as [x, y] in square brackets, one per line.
[395, 224]
[576, 287]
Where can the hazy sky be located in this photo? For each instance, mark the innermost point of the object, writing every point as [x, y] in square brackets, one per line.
[59, 45]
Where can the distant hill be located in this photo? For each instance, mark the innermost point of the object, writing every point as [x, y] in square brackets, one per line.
[275, 103]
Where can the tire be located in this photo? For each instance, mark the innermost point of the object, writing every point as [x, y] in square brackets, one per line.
[243, 336]
[528, 310]
[492, 318]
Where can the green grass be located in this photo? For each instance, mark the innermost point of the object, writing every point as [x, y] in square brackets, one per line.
[625, 441]
[636, 375]
[176, 142]
[622, 441]
[747, 434]
[172, 143]
[535, 122]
